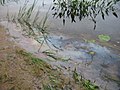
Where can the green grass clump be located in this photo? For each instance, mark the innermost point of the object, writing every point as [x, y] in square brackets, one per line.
[86, 83]
[32, 59]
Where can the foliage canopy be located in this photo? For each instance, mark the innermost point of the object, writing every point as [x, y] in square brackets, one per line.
[81, 9]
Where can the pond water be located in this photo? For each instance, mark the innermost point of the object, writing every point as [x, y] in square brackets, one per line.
[101, 67]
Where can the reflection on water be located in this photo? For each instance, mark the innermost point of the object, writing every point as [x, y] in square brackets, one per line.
[102, 68]
[76, 45]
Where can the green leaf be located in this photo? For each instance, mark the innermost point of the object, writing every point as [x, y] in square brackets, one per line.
[115, 14]
[103, 16]
[103, 37]
[76, 76]
[47, 87]
[90, 41]
[91, 53]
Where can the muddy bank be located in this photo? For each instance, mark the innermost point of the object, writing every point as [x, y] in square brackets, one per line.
[97, 63]
[20, 70]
